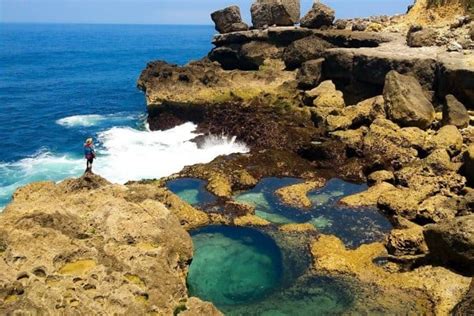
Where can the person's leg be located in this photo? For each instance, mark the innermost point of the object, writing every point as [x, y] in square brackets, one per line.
[90, 165]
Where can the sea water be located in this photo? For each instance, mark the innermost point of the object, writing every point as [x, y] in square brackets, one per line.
[60, 84]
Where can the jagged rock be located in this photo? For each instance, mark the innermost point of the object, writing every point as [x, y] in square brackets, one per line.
[380, 176]
[310, 73]
[319, 15]
[340, 24]
[266, 13]
[406, 242]
[405, 101]
[419, 37]
[325, 95]
[362, 113]
[437, 208]
[452, 242]
[229, 20]
[448, 138]
[305, 49]
[468, 167]
[386, 141]
[454, 113]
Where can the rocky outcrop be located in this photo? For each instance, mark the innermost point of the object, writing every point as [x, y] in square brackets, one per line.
[266, 13]
[229, 20]
[406, 102]
[72, 248]
[305, 49]
[318, 16]
[452, 242]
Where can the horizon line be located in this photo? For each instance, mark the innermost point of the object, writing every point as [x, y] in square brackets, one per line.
[103, 23]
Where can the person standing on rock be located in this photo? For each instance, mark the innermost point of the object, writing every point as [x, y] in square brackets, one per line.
[89, 154]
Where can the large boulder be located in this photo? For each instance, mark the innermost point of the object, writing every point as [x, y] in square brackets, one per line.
[454, 113]
[310, 74]
[302, 50]
[320, 15]
[229, 20]
[452, 242]
[406, 102]
[275, 12]
[419, 37]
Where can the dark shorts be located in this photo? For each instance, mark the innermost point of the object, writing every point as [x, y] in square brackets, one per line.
[90, 159]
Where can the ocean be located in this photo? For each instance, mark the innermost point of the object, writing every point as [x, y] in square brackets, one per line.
[63, 83]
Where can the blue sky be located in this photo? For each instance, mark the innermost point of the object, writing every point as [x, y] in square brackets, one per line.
[164, 11]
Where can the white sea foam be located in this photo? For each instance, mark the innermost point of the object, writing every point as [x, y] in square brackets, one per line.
[90, 120]
[124, 154]
[130, 154]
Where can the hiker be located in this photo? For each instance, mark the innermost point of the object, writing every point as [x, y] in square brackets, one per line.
[89, 154]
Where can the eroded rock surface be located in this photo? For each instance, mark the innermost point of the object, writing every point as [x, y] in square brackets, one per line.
[69, 248]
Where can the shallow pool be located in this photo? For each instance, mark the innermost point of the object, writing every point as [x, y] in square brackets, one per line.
[191, 190]
[354, 226]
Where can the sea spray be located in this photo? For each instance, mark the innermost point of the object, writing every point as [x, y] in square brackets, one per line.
[124, 153]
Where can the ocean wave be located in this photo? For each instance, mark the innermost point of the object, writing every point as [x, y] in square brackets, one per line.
[123, 154]
[90, 120]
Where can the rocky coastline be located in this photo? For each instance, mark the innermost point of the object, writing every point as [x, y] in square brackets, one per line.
[386, 101]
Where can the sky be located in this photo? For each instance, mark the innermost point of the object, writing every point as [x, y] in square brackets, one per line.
[165, 11]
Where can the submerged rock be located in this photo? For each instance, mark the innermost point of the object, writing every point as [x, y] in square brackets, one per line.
[452, 242]
[318, 16]
[297, 195]
[406, 102]
[229, 20]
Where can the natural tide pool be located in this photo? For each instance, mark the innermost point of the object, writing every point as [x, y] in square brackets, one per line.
[242, 271]
[354, 226]
[191, 190]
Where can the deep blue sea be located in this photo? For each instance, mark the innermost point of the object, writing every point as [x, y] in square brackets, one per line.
[60, 84]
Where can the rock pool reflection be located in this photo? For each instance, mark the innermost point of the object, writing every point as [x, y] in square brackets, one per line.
[355, 226]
